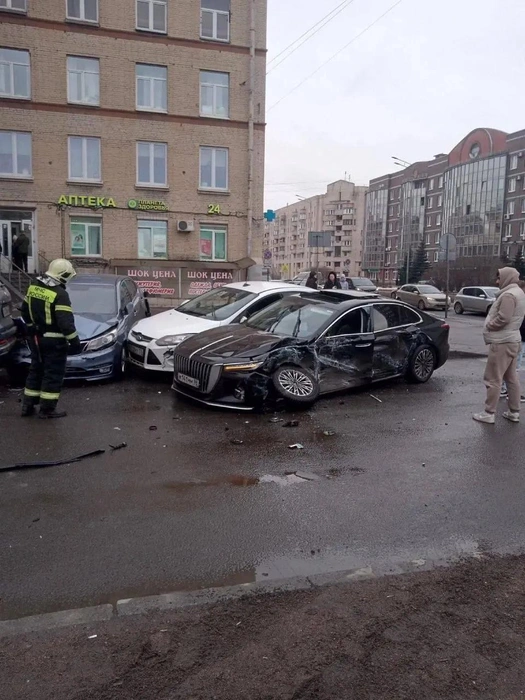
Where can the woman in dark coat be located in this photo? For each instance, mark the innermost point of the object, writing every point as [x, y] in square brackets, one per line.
[332, 282]
[311, 281]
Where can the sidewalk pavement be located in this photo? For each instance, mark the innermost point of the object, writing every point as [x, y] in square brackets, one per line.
[454, 633]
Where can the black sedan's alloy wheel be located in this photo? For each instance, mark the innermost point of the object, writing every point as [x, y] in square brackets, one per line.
[295, 384]
[422, 365]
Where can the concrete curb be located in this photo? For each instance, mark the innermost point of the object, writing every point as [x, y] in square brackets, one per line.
[181, 600]
[466, 354]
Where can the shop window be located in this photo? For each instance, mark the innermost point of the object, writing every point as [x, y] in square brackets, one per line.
[152, 166]
[15, 154]
[215, 20]
[84, 159]
[82, 10]
[86, 236]
[152, 15]
[83, 80]
[152, 87]
[213, 241]
[153, 239]
[215, 90]
[15, 73]
[213, 168]
[14, 5]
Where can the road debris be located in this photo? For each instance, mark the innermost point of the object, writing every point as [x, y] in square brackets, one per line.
[296, 446]
[291, 424]
[235, 441]
[153, 427]
[307, 476]
[276, 419]
[120, 446]
[54, 463]
[116, 428]
[329, 433]
[93, 636]
[375, 398]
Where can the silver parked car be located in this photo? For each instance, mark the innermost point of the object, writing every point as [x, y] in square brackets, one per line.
[478, 300]
[424, 296]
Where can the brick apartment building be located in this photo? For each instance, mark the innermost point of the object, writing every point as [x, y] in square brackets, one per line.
[341, 211]
[132, 135]
[476, 192]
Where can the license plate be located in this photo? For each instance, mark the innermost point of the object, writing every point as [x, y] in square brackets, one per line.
[190, 381]
[6, 310]
[136, 351]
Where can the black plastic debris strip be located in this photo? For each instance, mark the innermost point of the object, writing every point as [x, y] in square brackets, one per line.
[54, 463]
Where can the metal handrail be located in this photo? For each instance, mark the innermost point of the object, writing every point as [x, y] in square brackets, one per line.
[43, 262]
[13, 274]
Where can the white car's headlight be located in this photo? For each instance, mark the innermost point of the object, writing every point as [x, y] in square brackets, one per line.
[104, 341]
[172, 340]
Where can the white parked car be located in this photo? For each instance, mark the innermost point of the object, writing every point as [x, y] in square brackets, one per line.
[152, 341]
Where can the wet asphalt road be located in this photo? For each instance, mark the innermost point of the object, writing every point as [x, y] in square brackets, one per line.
[410, 478]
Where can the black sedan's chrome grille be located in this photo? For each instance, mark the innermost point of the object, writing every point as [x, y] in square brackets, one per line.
[194, 369]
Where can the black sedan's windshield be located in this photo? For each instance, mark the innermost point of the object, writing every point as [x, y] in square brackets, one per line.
[93, 299]
[217, 304]
[295, 317]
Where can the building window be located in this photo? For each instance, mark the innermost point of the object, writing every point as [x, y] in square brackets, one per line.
[86, 236]
[427, 239]
[152, 87]
[441, 180]
[512, 184]
[431, 184]
[84, 159]
[436, 256]
[83, 80]
[513, 162]
[215, 20]
[429, 221]
[82, 10]
[437, 237]
[15, 76]
[522, 229]
[152, 15]
[153, 239]
[523, 206]
[152, 164]
[440, 200]
[430, 202]
[438, 220]
[215, 94]
[510, 208]
[213, 243]
[15, 154]
[213, 168]
[14, 5]
[390, 228]
[508, 231]
[390, 211]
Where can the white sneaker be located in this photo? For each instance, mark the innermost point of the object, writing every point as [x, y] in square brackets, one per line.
[485, 417]
[513, 417]
[503, 394]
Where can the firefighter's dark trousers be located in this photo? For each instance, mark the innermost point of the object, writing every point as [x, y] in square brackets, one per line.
[46, 375]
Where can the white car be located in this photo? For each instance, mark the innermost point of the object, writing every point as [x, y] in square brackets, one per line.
[152, 341]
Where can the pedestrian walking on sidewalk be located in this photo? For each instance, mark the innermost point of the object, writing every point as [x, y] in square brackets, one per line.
[502, 334]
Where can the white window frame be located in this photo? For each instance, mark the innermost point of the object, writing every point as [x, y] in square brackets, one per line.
[214, 150]
[429, 221]
[441, 181]
[151, 224]
[431, 184]
[430, 202]
[82, 80]
[9, 6]
[215, 87]
[440, 200]
[11, 65]
[14, 150]
[438, 219]
[84, 177]
[152, 82]
[390, 228]
[151, 4]
[94, 221]
[82, 17]
[513, 162]
[512, 184]
[510, 208]
[151, 183]
[436, 256]
[214, 229]
[522, 230]
[523, 206]
[215, 14]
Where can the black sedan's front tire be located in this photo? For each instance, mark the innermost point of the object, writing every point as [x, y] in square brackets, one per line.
[421, 365]
[295, 384]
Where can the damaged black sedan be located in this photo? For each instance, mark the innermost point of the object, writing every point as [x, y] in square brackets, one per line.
[308, 345]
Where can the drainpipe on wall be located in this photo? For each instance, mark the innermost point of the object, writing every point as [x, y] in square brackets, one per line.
[251, 118]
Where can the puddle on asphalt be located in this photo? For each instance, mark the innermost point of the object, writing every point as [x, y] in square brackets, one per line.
[242, 481]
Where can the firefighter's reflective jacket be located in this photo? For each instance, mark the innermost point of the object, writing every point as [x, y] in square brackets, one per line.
[47, 312]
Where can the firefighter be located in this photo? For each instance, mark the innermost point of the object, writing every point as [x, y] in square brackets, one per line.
[52, 336]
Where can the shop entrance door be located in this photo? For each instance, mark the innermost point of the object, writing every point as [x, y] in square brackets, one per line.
[10, 229]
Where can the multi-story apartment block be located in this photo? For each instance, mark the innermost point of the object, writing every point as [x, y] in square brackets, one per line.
[340, 211]
[132, 135]
[476, 193]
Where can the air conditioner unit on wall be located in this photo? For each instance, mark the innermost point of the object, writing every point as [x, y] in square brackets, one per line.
[185, 226]
[507, 217]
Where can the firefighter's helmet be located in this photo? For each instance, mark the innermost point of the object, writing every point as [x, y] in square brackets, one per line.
[61, 270]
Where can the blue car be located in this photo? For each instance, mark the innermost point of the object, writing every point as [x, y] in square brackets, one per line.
[106, 307]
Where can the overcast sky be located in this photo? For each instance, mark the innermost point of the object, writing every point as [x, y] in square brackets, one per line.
[412, 86]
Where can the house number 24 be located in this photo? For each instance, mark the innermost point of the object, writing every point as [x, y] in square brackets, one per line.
[214, 208]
